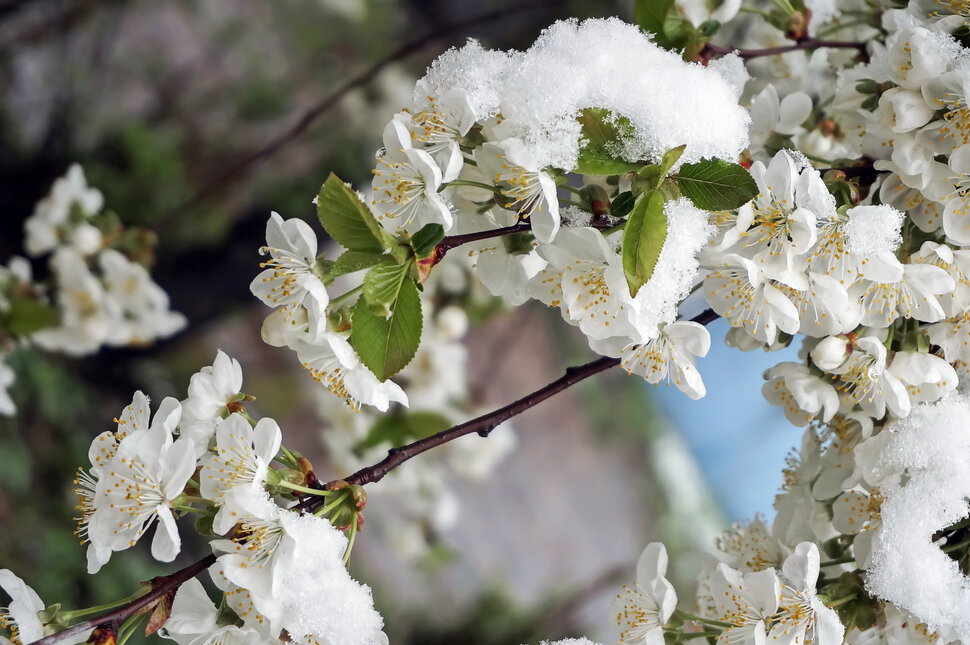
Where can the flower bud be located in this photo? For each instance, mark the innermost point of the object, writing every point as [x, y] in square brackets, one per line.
[830, 353]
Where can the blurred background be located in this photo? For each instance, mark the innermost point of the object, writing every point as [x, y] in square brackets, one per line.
[196, 119]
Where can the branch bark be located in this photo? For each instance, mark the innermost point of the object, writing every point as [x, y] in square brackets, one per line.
[808, 43]
[116, 616]
[237, 170]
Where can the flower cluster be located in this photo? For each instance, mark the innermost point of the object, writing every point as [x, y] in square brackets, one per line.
[279, 569]
[96, 295]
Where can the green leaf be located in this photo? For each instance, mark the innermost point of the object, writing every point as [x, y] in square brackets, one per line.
[347, 219]
[399, 429]
[651, 15]
[28, 315]
[716, 185]
[424, 241]
[621, 205]
[603, 130]
[348, 262]
[382, 285]
[643, 239]
[386, 345]
[650, 177]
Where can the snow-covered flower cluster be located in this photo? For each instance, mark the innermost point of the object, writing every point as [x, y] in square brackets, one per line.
[95, 295]
[279, 568]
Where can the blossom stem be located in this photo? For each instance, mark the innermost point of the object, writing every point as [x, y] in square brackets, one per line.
[703, 621]
[350, 540]
[469, 182]
[289, 459]
[572, 189]
[304, 489]
[344, 296]
[690, 635]
[332, 505]
[950, 548]
[128, 628]
[87, 611]
[841, 601]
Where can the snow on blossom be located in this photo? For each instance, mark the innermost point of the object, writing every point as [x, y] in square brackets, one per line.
[642, 610]
[919, 465]
[234, 475]
[292, 565]
[572, 65]
[872, 230]
[675, 273]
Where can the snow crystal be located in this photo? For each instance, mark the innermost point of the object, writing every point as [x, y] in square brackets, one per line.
[687, 231]
[575, 216]
[536, 95]
[872, 230]
[919, 465]
[731, 68]
[318, 596]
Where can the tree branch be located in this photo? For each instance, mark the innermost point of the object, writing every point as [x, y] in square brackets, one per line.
[808, 43]
[237, 170]
[116, 616]
[484, 424]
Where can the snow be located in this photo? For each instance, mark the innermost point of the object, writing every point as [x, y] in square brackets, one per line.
[536, 95]
[872, 230]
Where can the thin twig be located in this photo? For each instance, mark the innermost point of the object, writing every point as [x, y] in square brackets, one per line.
[237, 170]
[116, 616]
[809, 43]
[484, 424]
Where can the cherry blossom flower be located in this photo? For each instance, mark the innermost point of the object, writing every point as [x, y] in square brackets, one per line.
[138, 485]
[642, 610]
[288, 281]
[234, 475]
[211, 389]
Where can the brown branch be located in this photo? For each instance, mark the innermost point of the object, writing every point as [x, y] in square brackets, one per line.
[484, 424]
[116, 616]
[237, 170]
[808, 43]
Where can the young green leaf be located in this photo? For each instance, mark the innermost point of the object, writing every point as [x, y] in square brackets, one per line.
[643, 239]
[347, 219]
[603, 131]
[424, 241]
[650, 15]
[382, 285]
[716, 185]
[621, 205]
[27, 315]
[386, 345]
[650, 177]
[348, 262]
